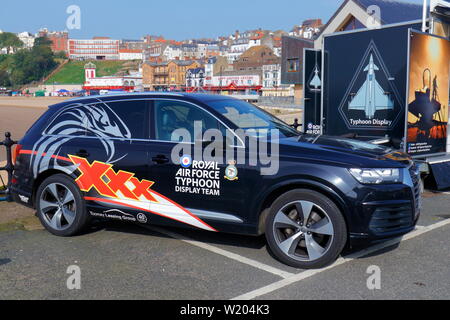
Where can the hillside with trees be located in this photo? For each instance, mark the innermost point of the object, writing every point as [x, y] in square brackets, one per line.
[25, 65]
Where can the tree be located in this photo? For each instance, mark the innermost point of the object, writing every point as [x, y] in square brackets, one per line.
[60, 55]
[26, 66]
[10, 41]
[4, 79]
[42, 41]
[31, 65]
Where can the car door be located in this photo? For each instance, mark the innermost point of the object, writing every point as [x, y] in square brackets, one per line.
[112, 159]
[211, 190]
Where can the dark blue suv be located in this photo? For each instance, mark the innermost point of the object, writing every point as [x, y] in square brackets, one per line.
[213, 163]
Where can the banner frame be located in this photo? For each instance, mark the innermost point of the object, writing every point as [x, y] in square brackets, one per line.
[304, 90]
[408, 67]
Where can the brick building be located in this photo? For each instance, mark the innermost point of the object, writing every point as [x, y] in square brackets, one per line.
[170, 75]
[256, 57]
[59, 39]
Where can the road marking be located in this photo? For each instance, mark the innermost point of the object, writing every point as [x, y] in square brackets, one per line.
[225, 253]
[309, 273]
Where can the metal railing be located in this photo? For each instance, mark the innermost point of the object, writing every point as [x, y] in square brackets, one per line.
[9, 167]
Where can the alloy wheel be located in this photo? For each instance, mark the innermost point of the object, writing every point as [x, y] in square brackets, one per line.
[303, 230]
[57, 206]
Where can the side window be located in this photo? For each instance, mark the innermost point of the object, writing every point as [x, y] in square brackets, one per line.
[173, 115]
[70, 121]
[120, 119]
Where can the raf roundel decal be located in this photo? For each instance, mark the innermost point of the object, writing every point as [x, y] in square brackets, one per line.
[185, 161]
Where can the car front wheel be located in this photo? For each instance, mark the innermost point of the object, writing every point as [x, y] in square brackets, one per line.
[305, 229]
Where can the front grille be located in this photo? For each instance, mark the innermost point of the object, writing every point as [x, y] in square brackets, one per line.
[415, 177]
[390, 219]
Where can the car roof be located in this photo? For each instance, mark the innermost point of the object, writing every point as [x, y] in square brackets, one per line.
[200, 97]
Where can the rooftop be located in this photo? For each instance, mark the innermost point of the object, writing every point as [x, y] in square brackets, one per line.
[394, 11]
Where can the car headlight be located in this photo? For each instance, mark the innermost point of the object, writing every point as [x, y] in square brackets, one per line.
[376, 176]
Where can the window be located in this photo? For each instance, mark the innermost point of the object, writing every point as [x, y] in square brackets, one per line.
[293, 65]
[69, 122]
[352, 24]
[173, 115]
[122, 119]
[246, 116]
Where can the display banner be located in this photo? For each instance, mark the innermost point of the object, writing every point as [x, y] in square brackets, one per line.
[312, 90]
[365, 82]
[428, 94]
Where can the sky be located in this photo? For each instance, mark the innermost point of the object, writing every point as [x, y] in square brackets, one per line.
[173, 19]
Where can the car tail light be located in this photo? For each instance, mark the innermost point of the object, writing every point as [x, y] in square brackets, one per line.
[16, 152]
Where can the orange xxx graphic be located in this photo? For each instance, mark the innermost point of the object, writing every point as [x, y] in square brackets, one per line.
[120, 184]
[122, 188]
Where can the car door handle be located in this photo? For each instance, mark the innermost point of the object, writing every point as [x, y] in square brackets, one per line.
[82, 153]
[160, 159]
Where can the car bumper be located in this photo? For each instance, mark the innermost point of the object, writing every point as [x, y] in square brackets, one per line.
[388, 211]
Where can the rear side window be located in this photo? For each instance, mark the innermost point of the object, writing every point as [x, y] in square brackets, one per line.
[69, 121]
[126, 119]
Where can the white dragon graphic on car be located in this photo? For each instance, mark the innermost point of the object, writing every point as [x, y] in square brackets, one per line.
[74, 121]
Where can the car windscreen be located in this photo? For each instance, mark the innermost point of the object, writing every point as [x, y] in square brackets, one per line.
[251, 118]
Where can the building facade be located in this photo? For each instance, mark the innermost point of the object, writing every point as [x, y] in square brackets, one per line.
[27, 39]
[161, 76]
[255, 57]
[98, 48]
[95, 85]
[195, 78]
[59, 39]
[130, 54]
[215, 66]
[308, 29]
[292, 63]
[271, 75]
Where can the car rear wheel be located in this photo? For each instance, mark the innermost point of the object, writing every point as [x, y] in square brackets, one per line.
[60, 206]
[305, 229]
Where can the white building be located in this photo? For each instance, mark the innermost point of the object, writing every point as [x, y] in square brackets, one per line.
[130, 54]
[98, 48]
[172, 52]
[271, 76]
[27, 39]
[236, 49]
[195, 78]
[132, 82]
[238, 80]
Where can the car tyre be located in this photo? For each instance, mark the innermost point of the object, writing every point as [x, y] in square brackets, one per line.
[60, 206]
[305, 229]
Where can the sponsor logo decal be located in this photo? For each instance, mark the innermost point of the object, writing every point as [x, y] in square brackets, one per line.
[114, 214]
[186, 161]
[200, 177]
[123, 189]
[142, 218]
[231, 172]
